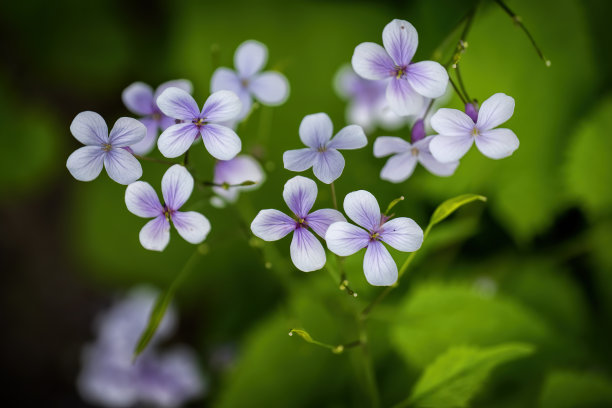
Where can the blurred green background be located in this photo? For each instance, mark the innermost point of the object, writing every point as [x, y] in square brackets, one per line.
[533, 264]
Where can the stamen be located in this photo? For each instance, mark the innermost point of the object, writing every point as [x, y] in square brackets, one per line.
[106, 147]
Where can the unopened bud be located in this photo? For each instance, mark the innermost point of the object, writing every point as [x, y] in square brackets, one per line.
[418, 131]
[471, 109]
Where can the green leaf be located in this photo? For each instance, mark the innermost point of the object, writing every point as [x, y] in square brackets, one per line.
[306, 336]
[451, 205]
[574, 389]
[457, 375]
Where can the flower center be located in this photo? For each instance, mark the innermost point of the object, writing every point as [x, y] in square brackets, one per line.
[301, 223]
[106, 147]
[400, 71]
[415, 151]
[322, 149]
[168, 212]
[475, 131]
[199, 122]
[244, 82]
[374, 236]
[156, 116]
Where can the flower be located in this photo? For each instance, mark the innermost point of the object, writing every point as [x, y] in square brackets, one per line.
[269, 88]
[104, 150]
[322, 153]
[177, 185]
[345, 239]
[220, 141]
[406, 155]
[410, 82]
[236, 171]
[140, 99]
[458, 130]
[307, 253]
[108, 376]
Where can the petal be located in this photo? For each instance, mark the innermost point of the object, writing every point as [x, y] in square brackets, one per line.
[362, 207]
[224, 79]
[316, 130]
[272, 225]
[495, 111]
[345, 239]
[378, 265]
[221, 106]
[428, 78]
[300, 194]
[155, 235]
[122, 166]
[178, 104]
[270, 88]
[89, 128]
[250, 57]
[446, 149]
[177, 139]
[386, 145]
[497, 143]
[400, 39]
[191, 225]
[220, 141]
[320, 220]
[85, 164]
[138, 98]
[141, 200]
[430, 163]
[349, 137]
[246, 101]
[240, 169]
[402, 234]
[402, 98]
[451, 122]
[183, 84]
[300, 159]
[399, 167]
[147, 144]
[371, 61]
[177, 185]
[126, 132]
[307, 253]
[328, 165]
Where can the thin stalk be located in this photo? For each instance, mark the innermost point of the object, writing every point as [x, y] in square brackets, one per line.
[368, 366]
[333, 193]
[461, 85]
[457, 91]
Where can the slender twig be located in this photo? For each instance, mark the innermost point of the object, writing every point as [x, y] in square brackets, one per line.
[333, 193]
[368, 366]
[457, 90]
[205, 183]
[461, 85]
[154, 160]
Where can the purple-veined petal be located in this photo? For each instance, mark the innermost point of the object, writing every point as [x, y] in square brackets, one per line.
[495, 111]
[430, 163]
[328, 165]
[345, 239]
[378, 265]
[399, 167]
[402, 234]
[138, 98]
[361, 207]
[177, 185]
[89, 128]
[246, 101]
[191, 225]
[300, 159]
[122, 166]
[165, 122]
[250, 57]
[386, 145]
[126, 132]
[183, 84]
[402, 98]
[388, 119]
[270, 88]
[446, 149]
[225, 79]
[371, 61]
[178, 104]
[141, 200]
[349, 137]
[428, 78]
[451, 122]
[221, 106]
[307, 253]
[177, 139]
[497, 143]
[272, 225]
[85, 164]
[148, 142]
[316, 130]
[400, 39]
[320, 220]
[300, 194]
[220, 141]
[155, 235]
[240, 169]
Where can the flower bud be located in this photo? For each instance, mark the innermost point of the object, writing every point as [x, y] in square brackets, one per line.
[418, 131]
[471, 109]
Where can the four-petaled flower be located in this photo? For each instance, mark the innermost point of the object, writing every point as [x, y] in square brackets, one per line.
[104, 150]
[410, 82]
[345, 239]
[140, 99]
[458, 130]
[230, 173]
[307, 253]
[269, 88]
[322, 152]
[220, 141]
[177, 185]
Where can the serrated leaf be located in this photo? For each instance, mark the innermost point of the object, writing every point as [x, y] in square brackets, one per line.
[458, 374]
[576, 389]
[451, 205]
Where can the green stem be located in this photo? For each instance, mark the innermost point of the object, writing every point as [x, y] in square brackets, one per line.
[461, 85]
[457, 90]
[368, 366]
[333, 194]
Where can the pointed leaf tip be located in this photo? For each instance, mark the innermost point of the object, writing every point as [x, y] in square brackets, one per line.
[451, 205]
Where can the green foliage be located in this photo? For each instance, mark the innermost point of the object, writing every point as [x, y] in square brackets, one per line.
[451, 205]
[576, 389]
